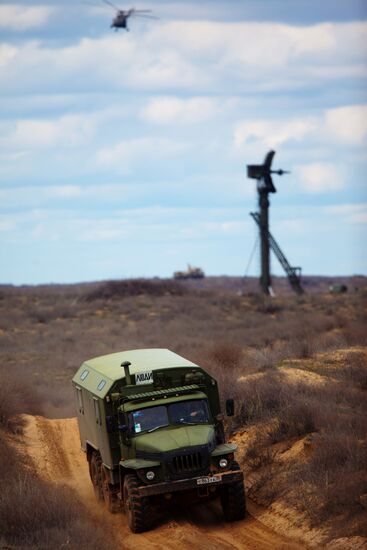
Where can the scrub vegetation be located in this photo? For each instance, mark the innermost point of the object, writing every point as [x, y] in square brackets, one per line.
[296, 367]
[35, 514]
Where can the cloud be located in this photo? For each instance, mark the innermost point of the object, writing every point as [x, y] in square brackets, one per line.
[152, 224]
[320, 177]
[271, 55]
[193, 55]
[350, 213]
[127, 153]
[342, 126]
[26, 198]
[6, 226]
[63, 191]
[7, 54]
[168, 110]
[20, 17]
[68, 131]
[347, 124]
[272, 133]
[103, 230]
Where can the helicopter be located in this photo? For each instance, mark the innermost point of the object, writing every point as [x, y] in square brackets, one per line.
[121, 17]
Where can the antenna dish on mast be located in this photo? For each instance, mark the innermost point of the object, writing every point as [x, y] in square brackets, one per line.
[262, 174]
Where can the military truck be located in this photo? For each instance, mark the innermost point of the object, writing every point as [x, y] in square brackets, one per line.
[190, 273]
[151, 426]
[338, 288]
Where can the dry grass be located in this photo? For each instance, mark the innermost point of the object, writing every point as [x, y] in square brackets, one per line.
[333, 480]
[46, 332]
[17, 395]
[354, 371]
[329, 480]
[36, 515]
[114, 290]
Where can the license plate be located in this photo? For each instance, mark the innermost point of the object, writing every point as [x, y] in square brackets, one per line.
[207, 480]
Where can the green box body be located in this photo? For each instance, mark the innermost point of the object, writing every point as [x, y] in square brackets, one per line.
[156, 377]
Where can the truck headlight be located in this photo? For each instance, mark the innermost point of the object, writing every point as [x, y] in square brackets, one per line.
[150, 475]
[223, 463]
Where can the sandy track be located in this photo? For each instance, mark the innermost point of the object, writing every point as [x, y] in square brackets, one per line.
[54, 448]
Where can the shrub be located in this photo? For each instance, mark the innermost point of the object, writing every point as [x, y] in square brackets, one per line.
[16, 396]
[36, 515]
[259, 453]
[225, 356]
[271, 397]
[295, 419]
[355, 370]
[134, 287]
[333, 479]
[330, 477]
[33, 513]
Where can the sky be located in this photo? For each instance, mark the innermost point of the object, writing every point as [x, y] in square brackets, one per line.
[123, 154]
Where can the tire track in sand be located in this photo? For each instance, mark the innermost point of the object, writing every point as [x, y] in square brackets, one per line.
[54, 447]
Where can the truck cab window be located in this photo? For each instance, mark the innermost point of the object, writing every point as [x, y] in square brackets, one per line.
[147, 419]
[189, 412]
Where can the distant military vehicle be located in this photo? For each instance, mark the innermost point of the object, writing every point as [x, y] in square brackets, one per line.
[190, 273]
[338, 288]
[150, 424]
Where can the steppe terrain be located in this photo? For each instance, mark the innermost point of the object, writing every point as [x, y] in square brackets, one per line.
[296, 367]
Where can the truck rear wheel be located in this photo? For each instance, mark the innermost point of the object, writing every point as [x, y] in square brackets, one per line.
[136, 506]
[233, 499]
[109, 497]
[95, 464]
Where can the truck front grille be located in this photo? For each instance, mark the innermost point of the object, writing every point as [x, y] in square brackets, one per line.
[187, 463]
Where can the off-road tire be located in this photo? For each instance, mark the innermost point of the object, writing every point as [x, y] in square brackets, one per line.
[233, 499]
[109, 496]
[95, 464]
[137, 508]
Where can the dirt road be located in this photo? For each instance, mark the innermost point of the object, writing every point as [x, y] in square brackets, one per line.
[54, 447]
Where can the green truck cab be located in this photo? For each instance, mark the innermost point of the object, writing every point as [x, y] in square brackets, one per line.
[150, 425]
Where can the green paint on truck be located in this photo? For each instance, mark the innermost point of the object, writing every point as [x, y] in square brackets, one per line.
[151, 426]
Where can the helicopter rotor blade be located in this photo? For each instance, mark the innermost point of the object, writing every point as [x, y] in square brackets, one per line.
[144, 15]
[94, 4]
[112, 5]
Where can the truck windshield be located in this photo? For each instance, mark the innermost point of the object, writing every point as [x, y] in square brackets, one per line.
[189, 412]
[148, 419]
[184, 412]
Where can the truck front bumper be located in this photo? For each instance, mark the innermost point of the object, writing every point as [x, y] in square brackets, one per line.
[192, 483]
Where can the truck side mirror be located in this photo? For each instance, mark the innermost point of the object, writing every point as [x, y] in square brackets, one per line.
[230, 407]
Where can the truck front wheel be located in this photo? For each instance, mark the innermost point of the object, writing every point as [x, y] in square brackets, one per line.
[233, 499]
[136, 506]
